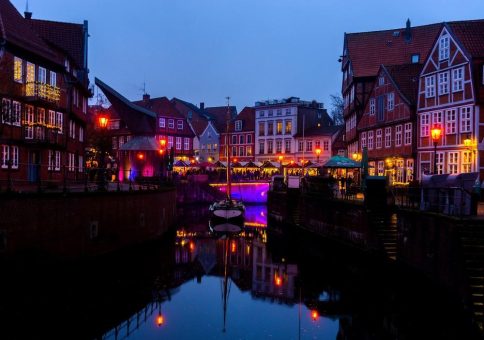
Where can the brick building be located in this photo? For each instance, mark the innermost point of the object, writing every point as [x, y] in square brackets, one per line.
[241, 135]
[44, 90]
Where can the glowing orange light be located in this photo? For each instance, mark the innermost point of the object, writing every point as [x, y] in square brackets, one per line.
[161, 151]
[140, 156]
[163, 142]
[436, 132]
[235, 160]
[160, 320]
[314, 315]
[292, 162]
[318, 151]
[278, 280]
[280, 158]
[233, 247]
[192, 246]
[103, 121]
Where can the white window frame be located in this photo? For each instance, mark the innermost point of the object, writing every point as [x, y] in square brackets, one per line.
[424, 124]
[29, 122]
[6, 111]
[444, 47]
[408, 134]
[450, 121]
[390, 101]
[372, 107]
[457, 79]
[466, 161]
[381, 168]
[16, 114]
[443, 87]
[363, 140]
[171, 123]
[53, 79]
[60, 122]
[186, 143]
[238, 125]
[453, 162]
[287, 146]
[170, 142]
[439, 163]
[379, 137]
[370, 140]
[381, 81]
[465, 118]
[81, 134]
[388, 137]
[178, 145]
[179, 124]
[80, 167]
[42, 75]
[430, 86]
[57, 164]
[161, 122]
[398, 135]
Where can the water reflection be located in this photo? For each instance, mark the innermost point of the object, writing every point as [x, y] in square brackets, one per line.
[262, 284]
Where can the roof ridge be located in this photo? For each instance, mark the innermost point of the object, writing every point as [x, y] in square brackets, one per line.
[58, 22]
[395, 29]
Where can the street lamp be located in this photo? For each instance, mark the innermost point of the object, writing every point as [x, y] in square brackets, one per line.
[281, 157]
[469, 144]
[435, 133]
[102, 121]
[318, 152]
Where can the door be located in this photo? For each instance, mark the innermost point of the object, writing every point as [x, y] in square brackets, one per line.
[34, 166]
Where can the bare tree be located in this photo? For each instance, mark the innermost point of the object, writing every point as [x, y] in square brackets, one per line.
[337, 109]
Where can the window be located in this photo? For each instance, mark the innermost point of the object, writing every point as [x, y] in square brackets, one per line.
[59, 121]
[300, 146]
[424, 125]
[278, 146]
[309, 145]
[42, 75]
[17, 70]
[450, 122]
[453, 162]
[370, 140]
[261, 113]
[317, 144]
[381, 168]
[408, 134]
[279, 127]
[279, 112]
[465, 119]
[178, 143]
[391, 101]
[288, 128]
[437, 118]
[234, 139]
[30, 80]
[5, 156]
[261, 147]
[262, 128]
[81, 164]
[238, 125]
[50, 160]
[53, 79]
[241, 139]
[288, 112]
[269, 113]
[29, 124]
[398, 135]
[16, 113]
[457, 79]
[248, 150]
[439, 163]
[171, 123]
[372, 106]
[363, 140]
[72, 129]
[180, 124]
[325, 145]
[270, 145]
[241, 151]
[287, 147]
[378, 138]
[249, 139]
[161, 122]
[270, 128]
[399, 171]
[186, 143]
[415, 58]
[381, 81]
[429, 86]
[444, 48]
[443, 83]
[6, 111]
[57, 164]
[388, 137]
[81, 134]
[380, 113]
[71, 166]
[467, 161]
[409, 167]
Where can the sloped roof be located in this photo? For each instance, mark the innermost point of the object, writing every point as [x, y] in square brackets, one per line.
[68, 37]
[219, 115]
[320, 131]
[199, 119]
[406, 79]
[15, 30]
[141, 143]
[138, 119]
[368, 50]
[161, 105]
[470, 34]
[247, 116]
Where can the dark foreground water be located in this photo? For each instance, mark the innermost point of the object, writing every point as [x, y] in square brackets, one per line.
[264, 284]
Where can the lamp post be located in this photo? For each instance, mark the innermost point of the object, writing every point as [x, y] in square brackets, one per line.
[435, 133]
[162, 156]
[280, 158]
[102, 121]
[318, 152]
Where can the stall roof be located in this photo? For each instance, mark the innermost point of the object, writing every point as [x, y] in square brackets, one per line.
[141, 143]
[341, 162]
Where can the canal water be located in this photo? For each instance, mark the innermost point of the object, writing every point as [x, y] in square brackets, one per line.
[267, 283]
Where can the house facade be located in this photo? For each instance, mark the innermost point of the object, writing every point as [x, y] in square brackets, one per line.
[315, 144]
[450, 99]
[276, 123]
[241, 137]
[43, 91]
[387, 128]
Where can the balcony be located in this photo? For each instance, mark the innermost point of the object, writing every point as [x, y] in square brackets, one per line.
[43, 92]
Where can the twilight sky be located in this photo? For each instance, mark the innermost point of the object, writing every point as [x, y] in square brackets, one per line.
[205, 50]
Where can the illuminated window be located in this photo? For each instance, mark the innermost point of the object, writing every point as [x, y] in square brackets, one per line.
[279, 127]
[467, 161]
[262, 128]
[30, 80]
[409, 167]
[248, 150]
[18, 70]
[288, 129]
[381, 168]
[453, 162]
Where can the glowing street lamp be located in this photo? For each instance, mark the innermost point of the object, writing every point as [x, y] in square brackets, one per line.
[435, 134]
[314, 315]
[318, 152]
[280, 158]
[102, 121]
[160, 320]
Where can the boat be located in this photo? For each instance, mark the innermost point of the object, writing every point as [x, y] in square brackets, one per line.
[227, 215]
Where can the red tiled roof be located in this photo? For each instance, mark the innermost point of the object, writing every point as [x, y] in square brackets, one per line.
[247, 116]
[471, 35]
[66, 36]
[368, 50]
[199, 121]
[219, 114]
[15, 30]
[406, 78]
[161, 105]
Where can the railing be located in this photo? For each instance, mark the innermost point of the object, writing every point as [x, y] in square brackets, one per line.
[42, 91]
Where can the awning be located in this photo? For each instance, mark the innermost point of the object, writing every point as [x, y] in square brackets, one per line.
[341, 162]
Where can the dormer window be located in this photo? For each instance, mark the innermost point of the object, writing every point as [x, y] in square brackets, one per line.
[444, 47]
[238, 125]
[381, 81]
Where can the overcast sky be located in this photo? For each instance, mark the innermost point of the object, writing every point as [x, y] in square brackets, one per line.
[250, 50]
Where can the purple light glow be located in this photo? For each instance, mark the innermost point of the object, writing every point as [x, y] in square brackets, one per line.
[248, 192]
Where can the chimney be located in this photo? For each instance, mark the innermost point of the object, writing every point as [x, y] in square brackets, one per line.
[202, 106]
[28, 15]
[408, 31]
[146, 97]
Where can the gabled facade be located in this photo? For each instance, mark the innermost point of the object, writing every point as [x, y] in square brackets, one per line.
[315, 144]
[450, 98]
[209, 143]
[241, 137]
[43, 91]
[276, 123]
[387, 128]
